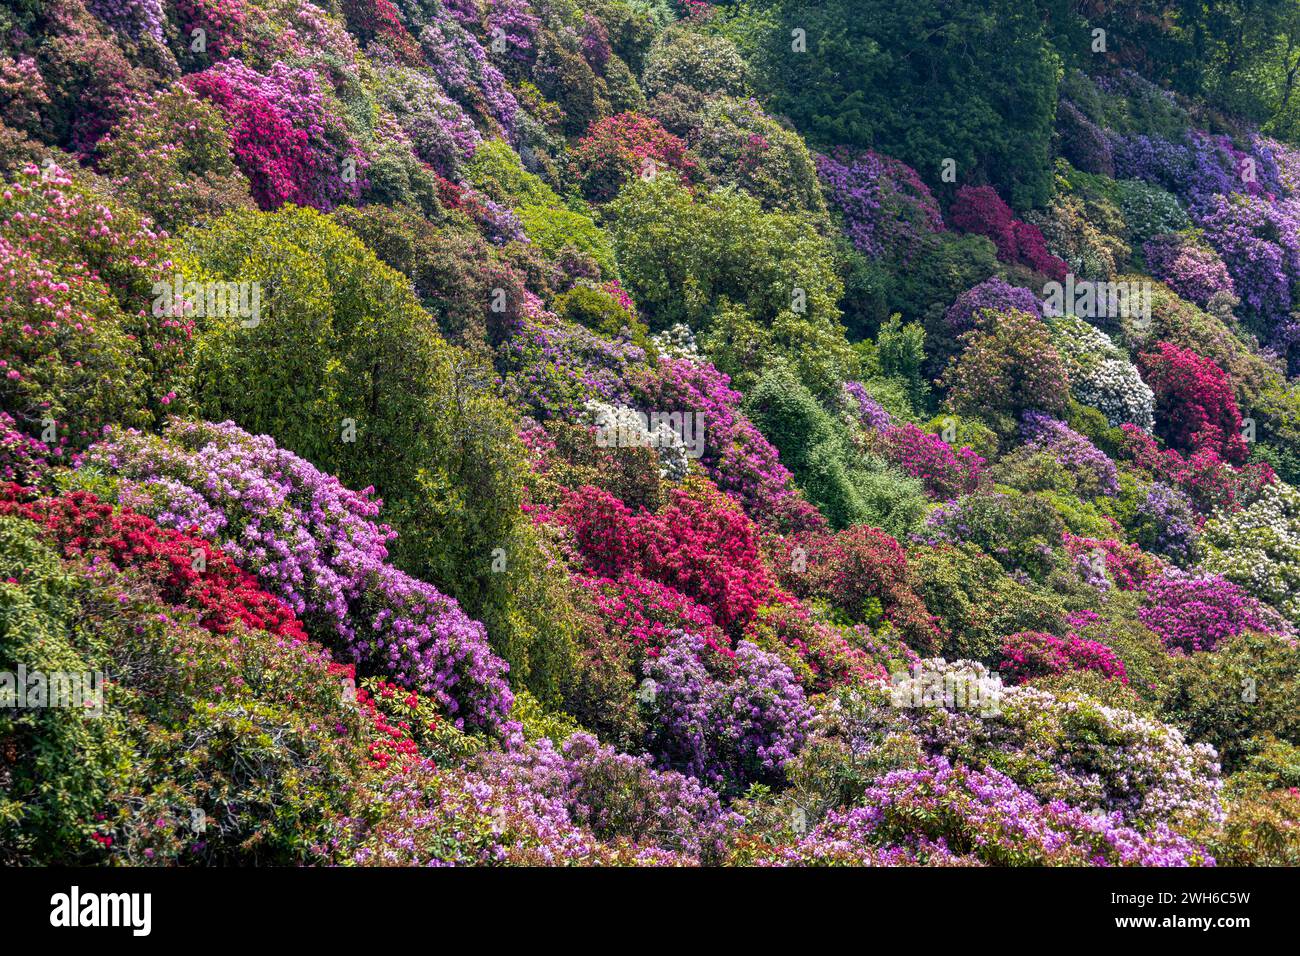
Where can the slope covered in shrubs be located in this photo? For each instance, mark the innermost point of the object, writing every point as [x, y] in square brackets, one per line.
[649, 433]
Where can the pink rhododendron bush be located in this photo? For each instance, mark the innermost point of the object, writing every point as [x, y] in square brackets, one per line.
[622, 433]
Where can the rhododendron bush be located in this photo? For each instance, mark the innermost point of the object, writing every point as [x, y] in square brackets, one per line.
[1194, 402]
[698, 544]
[289, 144]
[979, 209]
[325, 556]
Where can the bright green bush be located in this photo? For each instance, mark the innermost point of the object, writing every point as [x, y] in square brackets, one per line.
[690, 258]
[814, 446]
[1247, 686]
[977, 602]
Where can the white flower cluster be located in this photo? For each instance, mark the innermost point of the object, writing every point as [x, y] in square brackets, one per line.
[1101, 374]
[624, 427]
[677, 341]
[1259, 548]
[954, 685]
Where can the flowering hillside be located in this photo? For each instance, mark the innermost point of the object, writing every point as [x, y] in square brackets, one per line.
[649, 433]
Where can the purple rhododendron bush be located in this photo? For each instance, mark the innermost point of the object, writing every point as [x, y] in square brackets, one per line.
[602, 432]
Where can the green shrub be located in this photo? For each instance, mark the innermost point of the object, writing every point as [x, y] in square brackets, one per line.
[1246, 687]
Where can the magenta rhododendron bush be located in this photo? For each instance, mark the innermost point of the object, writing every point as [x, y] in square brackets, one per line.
[649, 433]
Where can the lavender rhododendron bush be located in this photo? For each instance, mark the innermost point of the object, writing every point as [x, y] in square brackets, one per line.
[599, 432]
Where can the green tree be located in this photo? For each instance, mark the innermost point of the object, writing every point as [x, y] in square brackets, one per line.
[718, 256]
[924, 81]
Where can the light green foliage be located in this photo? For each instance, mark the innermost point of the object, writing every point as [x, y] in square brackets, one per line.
[692, 259]
[1259, 548]
[814, 445]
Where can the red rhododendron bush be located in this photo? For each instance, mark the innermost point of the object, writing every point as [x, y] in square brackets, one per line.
[495, 432]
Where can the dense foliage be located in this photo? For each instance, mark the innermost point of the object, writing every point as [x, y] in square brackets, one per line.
[556, 432]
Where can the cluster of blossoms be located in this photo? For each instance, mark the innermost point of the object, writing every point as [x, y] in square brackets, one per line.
[1189, 267]
[979, 209]
[435, 126]
[80, 350]
[1135, 766]
[596, 49]
[135, 18]
[1282, 160]
[23, 459]
[727, 733]
[699, 544]
[1210, 482]
[677, 342]
[1196, 171]
[512, 22]
[618, 148]
[1020, 531]
[737, 457]
[378, 20]
[1107, 560]
[946, 473]
[1258, 548]
[230, 26]
[645, 616]
[1259, 241]
[885, 205]
[1030, 654]
[317, 545]
[286, 137]
[170, 155]
[499, 223]
[618, 796]
[1009, 366]
[864, 409]
[1083, 142]
[994, 294]
[1165, 523]
[863, 572]
[945, 814]
[466, 71]
[552, 368]
[186, 571]
[1195, 404]
[1094, 471]
[1101, 374]
[1195, 612]
[624, 427]
[429, 816]
[1149, 211]
[822, 655]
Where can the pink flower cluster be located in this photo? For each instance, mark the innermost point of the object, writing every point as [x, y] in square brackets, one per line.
[647, 615]
[1195, 405]
[979, 209]
[286, 139]
[699, 544]
[1193, 612]
[945, 472]
[1209, 481]
[1193, 270]
[619, 148]
[1032, 654]
[739, 459]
